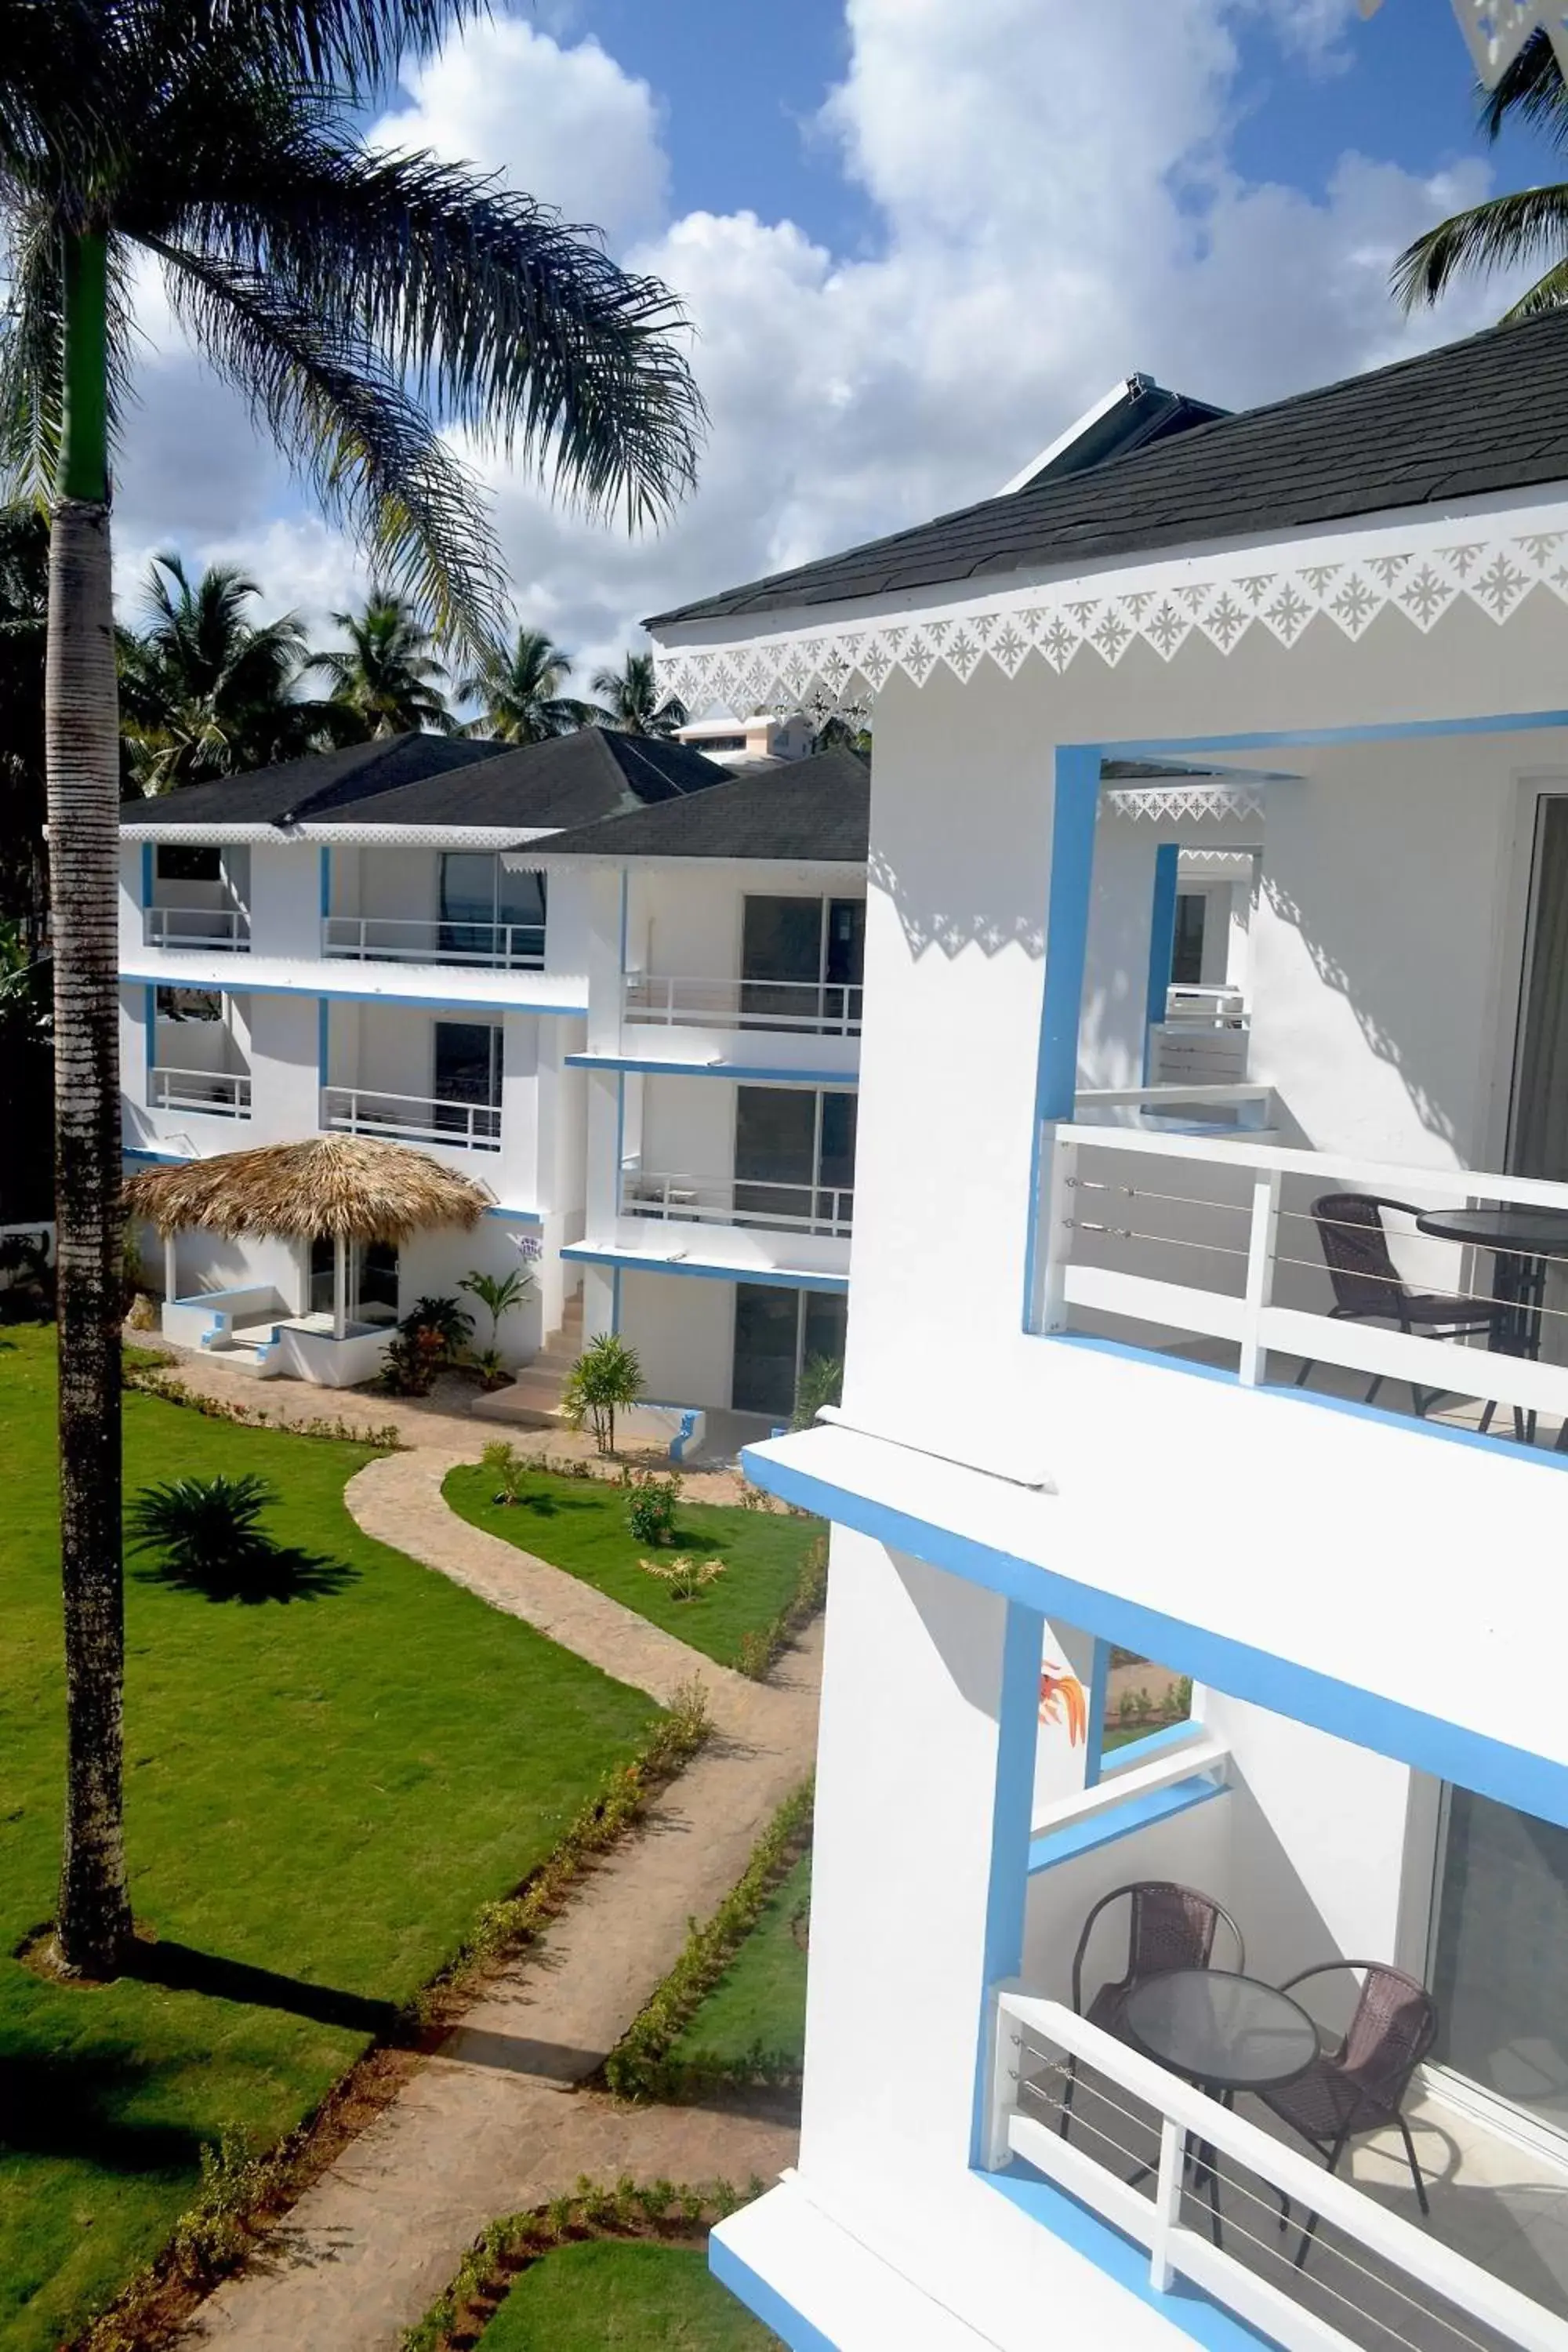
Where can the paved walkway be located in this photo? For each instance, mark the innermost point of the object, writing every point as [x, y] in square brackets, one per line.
[491, 2124]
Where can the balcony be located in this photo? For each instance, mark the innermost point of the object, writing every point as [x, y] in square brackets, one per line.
[412, 1118]
[225, 1094]
[820, 1008]
[198, 927]
[1217, 1244]
[481, 946]
[1202, 1041]
[822, 1209]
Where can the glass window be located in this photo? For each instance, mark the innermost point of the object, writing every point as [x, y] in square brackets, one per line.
[189, 1004]
[1187, 954]
[183, 861]
[767, 1344]
[469, 1062]
[847, 941]
[520, 897]
[835, 1166]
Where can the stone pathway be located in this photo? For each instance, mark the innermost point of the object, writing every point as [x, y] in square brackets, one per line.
[493, 2124]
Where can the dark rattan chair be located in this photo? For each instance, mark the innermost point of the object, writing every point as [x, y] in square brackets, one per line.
[1368, 1287]
[1360, 2086]
[1169, 1927]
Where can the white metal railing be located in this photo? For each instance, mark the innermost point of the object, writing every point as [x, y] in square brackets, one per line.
[825, 1007]
[225, 1092]
[388, 938]
[748, 1200]
[1373, 2281]
[1200, 1049]
[1211, 1237]
[197, 927]
[411, 1119]
[1200, 1108]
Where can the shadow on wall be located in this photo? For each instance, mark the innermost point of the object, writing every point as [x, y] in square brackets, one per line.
[950, 928]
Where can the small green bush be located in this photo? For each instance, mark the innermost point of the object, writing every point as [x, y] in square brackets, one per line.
[204, 1527]
[651, 1504]
[607, 1379]
[508, 1467]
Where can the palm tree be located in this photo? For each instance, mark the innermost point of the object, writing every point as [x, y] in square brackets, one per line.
[629, 699]
[386, 680]
[361, 302]
[24, 606]
[518, 687]
[1526, 228]
[204, 690]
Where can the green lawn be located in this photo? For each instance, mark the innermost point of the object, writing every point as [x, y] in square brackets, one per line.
[760, 2001]
[623, 2295]
[580, 1525]
[320, 1797]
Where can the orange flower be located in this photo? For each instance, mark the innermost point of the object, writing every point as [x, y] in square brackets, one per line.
[1063, 1701]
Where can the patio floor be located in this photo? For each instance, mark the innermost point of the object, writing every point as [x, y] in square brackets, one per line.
[1501, 2205]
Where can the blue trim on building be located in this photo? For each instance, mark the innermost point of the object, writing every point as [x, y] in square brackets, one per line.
[1094, 1736]
[1074, 806]
[460, 1005]
[1161, 940]
[1150, 1748]
[147, 874]
[841, 1081]
[326, 881]
[749, 2286]
[1139, 1812]
[1017, 1730]
[1394, 731]
[513, 1216]
[581, 1253]
[1532, 1784]
[1185, 2306]
[164, 1159]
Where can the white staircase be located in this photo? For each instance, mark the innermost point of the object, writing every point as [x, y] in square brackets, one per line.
[534, 1396]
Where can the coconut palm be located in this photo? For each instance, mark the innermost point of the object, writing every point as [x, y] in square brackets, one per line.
[629, 699]
[204, 690]
[386, 680]
[1525, 230]
[518, 689]
[361, 302]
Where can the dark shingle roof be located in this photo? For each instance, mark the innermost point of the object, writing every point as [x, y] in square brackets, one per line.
[432, 779]
[313, 787]
[805, 810]
[1489, 413]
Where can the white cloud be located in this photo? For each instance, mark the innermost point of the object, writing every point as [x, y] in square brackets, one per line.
[1057, 206]
[566, 123]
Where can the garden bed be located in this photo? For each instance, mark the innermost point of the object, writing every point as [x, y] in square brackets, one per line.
[580, 1525]
[323, 1796]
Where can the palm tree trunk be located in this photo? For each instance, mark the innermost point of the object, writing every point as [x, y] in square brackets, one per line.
[83, 761]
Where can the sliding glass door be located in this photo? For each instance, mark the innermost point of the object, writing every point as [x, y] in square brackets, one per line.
[1537, 1142]
[1496, 1972]
[801, 961]
[777, 1333]
[467, 1077]
[794, 1157]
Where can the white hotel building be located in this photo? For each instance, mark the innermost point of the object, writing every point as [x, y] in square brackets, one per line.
[616, 984]
[1104, 1394]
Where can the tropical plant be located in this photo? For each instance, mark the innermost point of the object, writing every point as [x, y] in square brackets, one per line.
[687, 1577]
[497, 1294]
[821, 1382]
[651, 1503]
[206, 690]
[204, 1528]
[409, 1363]
[842, 732]
[607, 1379]
[629, 702]
[386, 680]
[508, 1467]
[444, 1321]
[360, 301]
[1528, 227]
[518, 689]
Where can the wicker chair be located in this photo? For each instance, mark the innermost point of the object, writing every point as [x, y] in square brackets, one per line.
[1368, 1287]
[1360, 2085]
[1169, 1927]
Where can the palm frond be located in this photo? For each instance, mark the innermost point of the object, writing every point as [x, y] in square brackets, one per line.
[1531, 88]
[345, 422]
[1550, 292]
[505, 319]
[31, 399]
[1529, 227]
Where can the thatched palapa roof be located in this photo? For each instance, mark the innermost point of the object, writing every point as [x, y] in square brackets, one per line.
[352, 1186]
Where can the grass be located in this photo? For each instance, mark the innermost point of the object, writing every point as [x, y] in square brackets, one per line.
[623, 2295]
[759, 2003]
[580, 1525]
[320, 1796]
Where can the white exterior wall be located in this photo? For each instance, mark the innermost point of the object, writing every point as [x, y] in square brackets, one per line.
[683, 1329]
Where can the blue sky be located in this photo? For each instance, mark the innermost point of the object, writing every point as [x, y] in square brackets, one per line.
[914, 238]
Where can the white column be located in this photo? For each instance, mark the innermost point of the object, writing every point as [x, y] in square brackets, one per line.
[340, 1287]
[170, 1276]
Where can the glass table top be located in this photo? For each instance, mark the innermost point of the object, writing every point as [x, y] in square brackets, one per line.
[1231, 2032]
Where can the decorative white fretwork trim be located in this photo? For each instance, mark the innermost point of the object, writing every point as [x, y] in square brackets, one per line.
[1218, 865]
[1419, 570]
[1185, 804]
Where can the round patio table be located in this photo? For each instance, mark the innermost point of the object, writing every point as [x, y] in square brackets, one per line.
[1225, 2032]
[1521, 1242]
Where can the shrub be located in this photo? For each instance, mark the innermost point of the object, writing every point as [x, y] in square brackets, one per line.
[410, 1363]
[651, 1504]
[508, 1467]
[443, 1320]
[686, 1578]
[758, 1652]
[605, 1380]
[821, 1382]
[497, 1294]
[204, 1527]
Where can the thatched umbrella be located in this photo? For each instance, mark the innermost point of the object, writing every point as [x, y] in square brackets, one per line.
[353, 1186]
